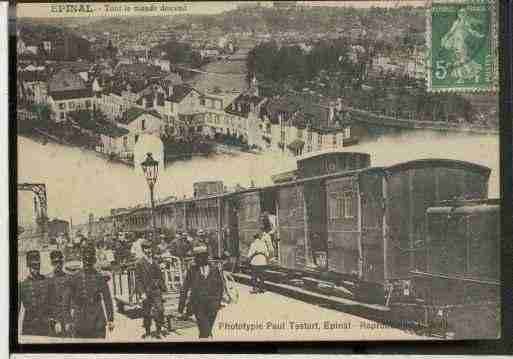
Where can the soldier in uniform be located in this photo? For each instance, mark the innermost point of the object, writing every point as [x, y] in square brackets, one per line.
[60, 324]
[88, 290]
[206, 286]
[34, 296]
[150, 284]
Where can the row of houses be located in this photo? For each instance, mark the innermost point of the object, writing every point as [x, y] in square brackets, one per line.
[142, 99]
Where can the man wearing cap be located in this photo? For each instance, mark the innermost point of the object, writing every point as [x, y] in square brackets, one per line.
[60, 322]
[150, 284]
[206, 286]
[34, 296]
[89, 290]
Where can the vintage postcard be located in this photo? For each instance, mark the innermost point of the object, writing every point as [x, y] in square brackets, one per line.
[257, 171]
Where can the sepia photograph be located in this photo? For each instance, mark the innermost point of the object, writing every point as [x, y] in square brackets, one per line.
[247, 171]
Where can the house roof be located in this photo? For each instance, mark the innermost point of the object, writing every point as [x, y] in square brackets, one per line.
[101, 127]
[69, 95]
[180, 92]
[173, 79]
[241, 106]
[134, 112]
[138, 69]
[65, 80]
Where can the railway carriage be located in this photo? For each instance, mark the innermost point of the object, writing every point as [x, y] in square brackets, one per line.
[460, 285]
[370, 230]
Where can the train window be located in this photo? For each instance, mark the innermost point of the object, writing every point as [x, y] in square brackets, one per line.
[341, 205]
[333, 207]
[348, 204]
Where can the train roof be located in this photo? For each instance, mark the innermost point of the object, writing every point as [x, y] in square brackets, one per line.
[436, 162]
[404, 166]
[312, 155]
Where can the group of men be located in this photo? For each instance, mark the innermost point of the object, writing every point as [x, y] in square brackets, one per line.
[62, 304]
[72, 305]
[200, 294]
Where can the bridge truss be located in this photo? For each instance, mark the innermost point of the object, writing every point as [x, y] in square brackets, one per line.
[39, 190]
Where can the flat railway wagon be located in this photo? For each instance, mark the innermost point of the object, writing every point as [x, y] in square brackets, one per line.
[342, 226]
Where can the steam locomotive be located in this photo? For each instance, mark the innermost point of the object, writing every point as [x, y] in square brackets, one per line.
[420, 237]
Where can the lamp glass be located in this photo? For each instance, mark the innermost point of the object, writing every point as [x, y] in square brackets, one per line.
[150, 168]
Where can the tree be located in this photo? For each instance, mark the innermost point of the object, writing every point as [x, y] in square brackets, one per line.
[178, 52]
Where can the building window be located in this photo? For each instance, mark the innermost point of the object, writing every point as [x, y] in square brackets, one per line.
[299, 133]
[63, 115]
[136, 138]
[88, 103]
[71, 105]
[347, 132]
[334, 140]
[62, 106]
[202, 101]
[143, 125]
[125, 141]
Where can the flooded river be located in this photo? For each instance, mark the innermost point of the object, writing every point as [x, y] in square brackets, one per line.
[80, 182]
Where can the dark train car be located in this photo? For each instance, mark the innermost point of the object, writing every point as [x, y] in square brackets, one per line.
[309, 238]
[411, 188]
[203, 213]
[331, 162]
[170, 216]
[463, 239]
[248, 204]
[343, 232]
[460, 286]
[292, 227]
[207, 188]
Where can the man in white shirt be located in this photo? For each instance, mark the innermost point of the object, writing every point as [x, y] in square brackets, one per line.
[136, 249]
[258, 254]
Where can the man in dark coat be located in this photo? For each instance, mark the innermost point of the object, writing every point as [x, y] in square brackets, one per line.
[206, 286]
[60, 324]
[88, 290]
[34, 296]
[150, 284]
[180, 247]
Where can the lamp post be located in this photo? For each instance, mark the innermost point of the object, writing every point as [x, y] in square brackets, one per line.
[151, 170]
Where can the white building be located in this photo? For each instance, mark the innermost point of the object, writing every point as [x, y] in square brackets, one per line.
[68, 92]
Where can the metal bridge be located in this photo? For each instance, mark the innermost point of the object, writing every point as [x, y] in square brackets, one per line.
[39, 238]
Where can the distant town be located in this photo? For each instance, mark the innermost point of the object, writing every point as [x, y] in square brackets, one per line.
[283, 77]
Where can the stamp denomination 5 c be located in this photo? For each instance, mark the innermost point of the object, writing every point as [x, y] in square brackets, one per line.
[462, 44]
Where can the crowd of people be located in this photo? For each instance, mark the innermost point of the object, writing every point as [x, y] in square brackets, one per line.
[79, 304]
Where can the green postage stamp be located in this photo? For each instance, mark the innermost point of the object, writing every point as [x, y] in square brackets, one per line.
[462, 46]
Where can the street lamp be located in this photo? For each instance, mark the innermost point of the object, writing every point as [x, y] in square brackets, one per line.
[151, 170]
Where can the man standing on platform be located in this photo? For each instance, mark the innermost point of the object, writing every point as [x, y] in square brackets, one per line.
[60, 322]
[34, 296]
[258, 254]
[88, 290]
[206, 286]
[149, 284]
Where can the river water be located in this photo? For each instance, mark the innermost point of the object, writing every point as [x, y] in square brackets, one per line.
[79, 182]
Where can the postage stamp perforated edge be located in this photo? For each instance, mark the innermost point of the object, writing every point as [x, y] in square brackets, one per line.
[492, 87]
